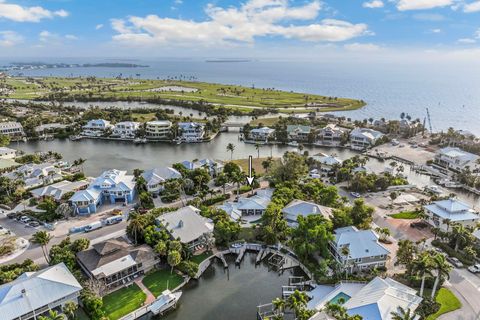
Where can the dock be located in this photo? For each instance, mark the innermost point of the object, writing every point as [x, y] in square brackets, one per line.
[222, 259]
[241, 254]
[260, 256]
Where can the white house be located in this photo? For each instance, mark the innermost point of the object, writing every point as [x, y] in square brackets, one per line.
[59, 189]
[303, 208]
[331, 134]
[191, 131]
[456, 159]
[11, 128]
[261, 134]
[126, 129]
[362, 138]
[50, 127]
[97, 125]
[327, 162]
[248, 206]
[159, 129]
[455, 211]
[376, 300]
[33, 294]
[298, 132]
[7, 153]
[364, 249]
[34, 175]
[214, 167]
[187, 225]
[157, 176]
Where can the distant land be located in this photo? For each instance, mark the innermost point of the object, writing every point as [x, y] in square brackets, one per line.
[42, 65]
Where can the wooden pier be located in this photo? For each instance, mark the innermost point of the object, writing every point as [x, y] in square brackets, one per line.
[222, 258]
[260, 256]
[241, 254]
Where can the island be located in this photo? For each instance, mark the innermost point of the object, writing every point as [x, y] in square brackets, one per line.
[241, 99]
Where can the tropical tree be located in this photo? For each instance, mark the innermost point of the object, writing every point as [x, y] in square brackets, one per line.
[52, 315]
[423, 266]
[257, 147]
[136, 224]
[231, 148]
[403, 314]
[279, 304]
[174, 258]
[69, 309]
[443, 269]
[42, 238]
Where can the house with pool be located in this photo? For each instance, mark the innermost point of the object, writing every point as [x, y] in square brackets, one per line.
[156, 177]
[248, 208]
[112, 186]
[375, 300]
[358, 250]
[297, 208]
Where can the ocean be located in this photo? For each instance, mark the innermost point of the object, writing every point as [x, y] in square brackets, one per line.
[452, 93]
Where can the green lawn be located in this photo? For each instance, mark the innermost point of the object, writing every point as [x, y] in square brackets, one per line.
[200, 257]
[123, 301]
[405, 215]
[156, 281]
[448, 302]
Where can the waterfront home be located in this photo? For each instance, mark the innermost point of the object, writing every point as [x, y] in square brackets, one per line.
[376, 300]
[214, 167]
[35, 175]
[158, 129]
[7, 153]
[298, 132]
[12, 129]
[363, 138]
[33, 294]
[97, 125]
[261, 134]
[126, 129]
[363, 248]
[115, 262]
[298, 208]
[327, 163]
[57, 191]
[112, 185]
[330, 135]
[452, 210]
[456, 159]
[49, 127]
[191, 131]
[188, 226]
[157, 176]
[248, 206]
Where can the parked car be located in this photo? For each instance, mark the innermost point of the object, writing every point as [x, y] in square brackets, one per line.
[93, 226]
[355, 194]
[474, 269]
[455, 262]
[12, 215]
[25, 219]
[34, 224]
[419, 224]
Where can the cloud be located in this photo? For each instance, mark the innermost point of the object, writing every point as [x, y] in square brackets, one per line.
[362, 47]
[477, 34]
[436, 30]
[27, 14]
[466, 41]
[98, 26]
[373, 4]
[472, 7]
[404, 5]
[428, 17]
[71, 37]
[54, 38]
[237, 25]
[10, 38]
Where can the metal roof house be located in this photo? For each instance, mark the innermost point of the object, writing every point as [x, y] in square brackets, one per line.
[455, 159]
[303, 208]
[213, 166]
[157, 176]
[35, 293]
[375, 300]
[364, 249]
[187, 225]
[362, 138]
[248, 206]
[59, 189]
[453, 210]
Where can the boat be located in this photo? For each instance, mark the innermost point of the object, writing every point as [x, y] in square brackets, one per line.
[434, 189]
[75, 138]
[293, 144]
[165, 302]
[139, 140]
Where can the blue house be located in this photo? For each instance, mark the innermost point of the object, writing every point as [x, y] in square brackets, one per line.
[111, 187]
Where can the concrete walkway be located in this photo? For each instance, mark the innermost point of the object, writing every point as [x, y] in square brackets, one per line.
[150, 296]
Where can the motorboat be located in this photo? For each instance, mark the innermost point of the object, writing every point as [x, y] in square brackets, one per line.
[166, 301]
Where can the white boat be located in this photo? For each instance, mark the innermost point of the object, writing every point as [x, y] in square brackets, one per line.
[434, 189]
[75, 138]
[293, 144]
[139, 140]
[165, 302]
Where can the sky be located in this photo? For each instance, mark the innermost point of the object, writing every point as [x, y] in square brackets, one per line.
[413, 29]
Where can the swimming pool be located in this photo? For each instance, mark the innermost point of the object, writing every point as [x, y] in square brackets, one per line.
[340, 298]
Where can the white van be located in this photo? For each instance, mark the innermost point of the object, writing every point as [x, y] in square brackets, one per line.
[93, 226]
[113, 220]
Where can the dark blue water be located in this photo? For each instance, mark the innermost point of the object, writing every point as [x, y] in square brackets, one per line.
[451, 92]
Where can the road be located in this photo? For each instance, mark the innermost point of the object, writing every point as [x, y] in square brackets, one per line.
[466, 286]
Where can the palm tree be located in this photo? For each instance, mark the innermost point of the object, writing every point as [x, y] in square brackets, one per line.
[460, 234]
[447, 222]
[257, 147]
[42, 238]
[403, 314]
[173, 259]
[423, 265]
[52, 315]
[443, 270]
[69, 309]
[279, 305]
[231, 148]
[136, 224]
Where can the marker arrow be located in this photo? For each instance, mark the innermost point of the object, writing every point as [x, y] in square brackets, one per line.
[250, 177]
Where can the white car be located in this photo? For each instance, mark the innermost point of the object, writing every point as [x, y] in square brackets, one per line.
[474, 269]
[355, 194]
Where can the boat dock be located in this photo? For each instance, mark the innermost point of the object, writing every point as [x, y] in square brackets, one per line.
[260, 256]
[241, 254]
[221, 257]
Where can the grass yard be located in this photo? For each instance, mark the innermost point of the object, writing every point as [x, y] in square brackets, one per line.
[156, 281]
[448, 303]
[405, 215]
[269, 122]
[256, 164]
[123, 301]
[200, 257]
[143, 117]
